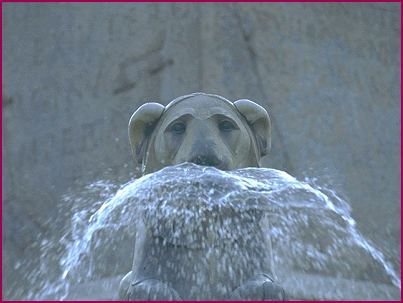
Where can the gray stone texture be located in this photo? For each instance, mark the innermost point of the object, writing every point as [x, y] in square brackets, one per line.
[73, 73]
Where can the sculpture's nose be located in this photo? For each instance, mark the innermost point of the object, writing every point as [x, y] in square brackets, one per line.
[204, 145]
[206, 160]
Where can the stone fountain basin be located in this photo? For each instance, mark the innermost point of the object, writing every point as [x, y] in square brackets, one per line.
[318, 253]
[300, 286]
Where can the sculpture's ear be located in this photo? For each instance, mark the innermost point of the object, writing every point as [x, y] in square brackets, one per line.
[141, 126]
[259, 120]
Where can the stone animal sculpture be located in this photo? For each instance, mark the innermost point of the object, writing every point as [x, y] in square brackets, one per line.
[200, 128]
[207, 130]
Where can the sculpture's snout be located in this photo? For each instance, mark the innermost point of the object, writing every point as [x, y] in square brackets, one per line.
[206, 160]
[205, 152]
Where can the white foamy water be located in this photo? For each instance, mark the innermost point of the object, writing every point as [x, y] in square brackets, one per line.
[300, 233]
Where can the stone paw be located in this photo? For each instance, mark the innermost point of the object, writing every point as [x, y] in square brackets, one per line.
[151, 290]
[259, 288]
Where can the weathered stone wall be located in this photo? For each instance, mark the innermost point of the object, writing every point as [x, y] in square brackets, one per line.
[329, 74]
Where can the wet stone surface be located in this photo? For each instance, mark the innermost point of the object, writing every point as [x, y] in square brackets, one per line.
[207, 231]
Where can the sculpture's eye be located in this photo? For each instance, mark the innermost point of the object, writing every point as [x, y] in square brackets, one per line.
[178, 128]
[226, 126]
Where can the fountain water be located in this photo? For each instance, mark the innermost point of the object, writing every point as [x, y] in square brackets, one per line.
[228, 220]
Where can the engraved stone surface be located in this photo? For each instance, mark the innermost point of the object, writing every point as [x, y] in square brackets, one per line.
[73, 73]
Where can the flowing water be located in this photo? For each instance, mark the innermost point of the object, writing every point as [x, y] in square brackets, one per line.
[302, 234]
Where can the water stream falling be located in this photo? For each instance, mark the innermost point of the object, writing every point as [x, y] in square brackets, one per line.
[316, 250]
